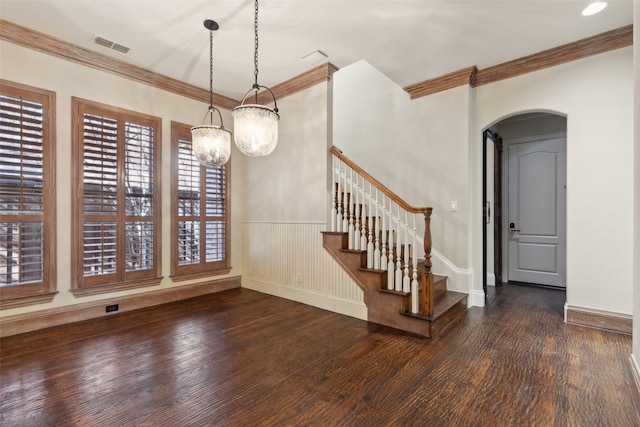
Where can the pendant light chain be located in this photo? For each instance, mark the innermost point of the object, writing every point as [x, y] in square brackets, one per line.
[210, 144]
[255, 127]
[211, 74]
[255, 55]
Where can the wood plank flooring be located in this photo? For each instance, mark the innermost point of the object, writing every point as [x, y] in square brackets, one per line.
[241, 358]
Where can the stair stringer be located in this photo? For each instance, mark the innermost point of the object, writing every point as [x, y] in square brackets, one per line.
[383, 307]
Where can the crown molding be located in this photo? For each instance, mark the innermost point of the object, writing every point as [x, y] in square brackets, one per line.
[314, 76]
[44, 43]
[438, 84]
[600, 43]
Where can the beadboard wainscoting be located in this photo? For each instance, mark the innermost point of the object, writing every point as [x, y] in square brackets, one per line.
[286, 259]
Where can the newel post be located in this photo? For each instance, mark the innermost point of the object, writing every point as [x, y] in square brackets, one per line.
[426, 292]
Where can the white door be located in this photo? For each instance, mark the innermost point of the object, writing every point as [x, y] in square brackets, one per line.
[536, 212]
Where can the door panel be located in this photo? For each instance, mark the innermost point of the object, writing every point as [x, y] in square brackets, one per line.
[537, 209]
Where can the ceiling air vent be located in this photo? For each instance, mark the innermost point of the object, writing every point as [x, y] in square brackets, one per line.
[103, 42]
[120, 48]
[110, 45]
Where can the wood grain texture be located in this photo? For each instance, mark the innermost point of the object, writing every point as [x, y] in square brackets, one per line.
[593, 319]
[601, 43]
[32, 321]
[426, 210]
[241, 358]
[466, 76]
[314, 76]
[393, 308]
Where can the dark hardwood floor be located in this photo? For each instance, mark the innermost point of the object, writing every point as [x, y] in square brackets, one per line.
[241, 358]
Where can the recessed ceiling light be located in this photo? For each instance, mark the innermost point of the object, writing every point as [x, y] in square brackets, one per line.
[594, 8]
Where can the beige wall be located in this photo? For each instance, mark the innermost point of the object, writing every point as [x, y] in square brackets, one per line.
[67, 79]
[417, 149]
[286, 211]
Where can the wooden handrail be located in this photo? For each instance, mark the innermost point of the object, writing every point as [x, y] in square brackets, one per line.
[404, 205]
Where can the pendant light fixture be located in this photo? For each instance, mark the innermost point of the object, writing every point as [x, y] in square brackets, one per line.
[211, 144]
[255, 127]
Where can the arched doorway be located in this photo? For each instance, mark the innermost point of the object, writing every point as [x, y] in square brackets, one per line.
[524, 186]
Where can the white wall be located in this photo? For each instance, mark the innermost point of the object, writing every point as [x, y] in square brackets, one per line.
[418, 149]
[393, 139]
[596, 96]
[68, 79]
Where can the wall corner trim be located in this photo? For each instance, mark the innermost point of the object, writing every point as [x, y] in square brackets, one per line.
[635, 373]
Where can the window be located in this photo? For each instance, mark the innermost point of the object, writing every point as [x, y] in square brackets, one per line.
[199, 212]
[27, 195]
[117, 208]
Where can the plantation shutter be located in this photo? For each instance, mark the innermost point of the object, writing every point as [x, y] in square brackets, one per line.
[119, 184]
[215, 199]
[100, 195]
[201, 217]
[22, 200]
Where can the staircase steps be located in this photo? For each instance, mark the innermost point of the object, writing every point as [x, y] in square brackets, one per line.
[389, 307]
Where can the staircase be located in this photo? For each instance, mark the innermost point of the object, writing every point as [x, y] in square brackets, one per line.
[374, 240]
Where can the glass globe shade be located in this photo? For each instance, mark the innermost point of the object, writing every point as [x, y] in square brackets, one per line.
[255, 129]
[211, 145]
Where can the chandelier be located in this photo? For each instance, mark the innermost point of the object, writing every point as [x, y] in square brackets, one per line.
[211, 144]
[255, 127]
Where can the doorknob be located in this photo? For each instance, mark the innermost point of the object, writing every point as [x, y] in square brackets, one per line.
[512, 227]
[487, 212]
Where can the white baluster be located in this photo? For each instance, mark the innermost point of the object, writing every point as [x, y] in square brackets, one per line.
[390, 272]
[383, 233]
[339, 202]
[332, 196]
[358, 211]
[345, 203]
[406, 281]
[376, 250]
[370, 232]
[415, 287]
[349, 210]
[363, 222]
[398, 269]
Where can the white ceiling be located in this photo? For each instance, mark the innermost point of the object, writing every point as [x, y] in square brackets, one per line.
[408, 40]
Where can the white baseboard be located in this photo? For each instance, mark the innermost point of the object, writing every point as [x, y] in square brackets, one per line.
[347, 308]
[491, 279]
[476, 298]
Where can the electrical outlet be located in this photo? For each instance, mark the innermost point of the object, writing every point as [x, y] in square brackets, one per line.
[111, 308]
[299, 278]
